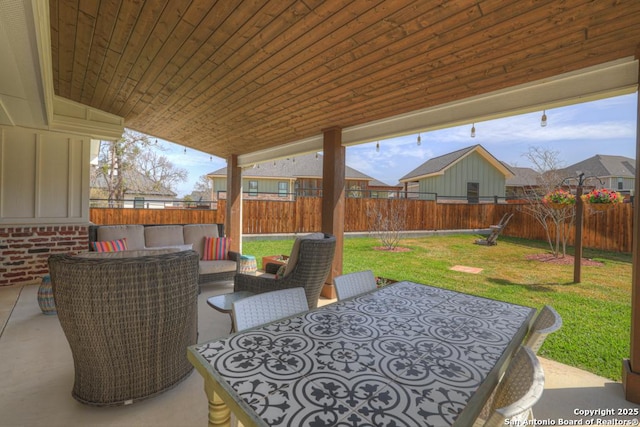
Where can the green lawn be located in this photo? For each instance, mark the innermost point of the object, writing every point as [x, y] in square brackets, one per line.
[596, 313]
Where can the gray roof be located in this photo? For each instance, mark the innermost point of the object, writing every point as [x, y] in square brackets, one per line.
[136, 183]
[441, 163]
[602, 165]
[522, 177]
[305, 166]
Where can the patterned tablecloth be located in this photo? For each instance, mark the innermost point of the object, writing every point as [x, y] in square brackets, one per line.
[404, 355]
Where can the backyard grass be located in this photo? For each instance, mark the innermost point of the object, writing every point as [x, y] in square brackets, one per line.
[596, 313]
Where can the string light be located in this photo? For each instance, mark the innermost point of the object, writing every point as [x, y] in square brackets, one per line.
[185, 150]
[419, 140]
[378, 147]
[543, 120]
[211, 158]
[473, 130]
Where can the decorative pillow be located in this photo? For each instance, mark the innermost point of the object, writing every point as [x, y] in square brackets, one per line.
[280, 272]
[216, 248]
[110, 245]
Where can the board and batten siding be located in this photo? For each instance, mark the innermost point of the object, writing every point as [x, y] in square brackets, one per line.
[472, 168]
[44, 177]
[264, 185]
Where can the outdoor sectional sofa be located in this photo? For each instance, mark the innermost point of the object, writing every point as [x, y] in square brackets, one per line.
[183, 237]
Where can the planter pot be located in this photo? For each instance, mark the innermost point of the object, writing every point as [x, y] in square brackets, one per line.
[600, 206]
[558, 206]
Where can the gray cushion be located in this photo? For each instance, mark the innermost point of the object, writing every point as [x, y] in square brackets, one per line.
[133, 233]
[163, 235]
[218, 266]
[293, 258]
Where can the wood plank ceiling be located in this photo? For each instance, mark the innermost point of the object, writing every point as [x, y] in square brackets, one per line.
[236, 76]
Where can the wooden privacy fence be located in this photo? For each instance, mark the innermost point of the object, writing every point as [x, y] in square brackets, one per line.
[610, 230]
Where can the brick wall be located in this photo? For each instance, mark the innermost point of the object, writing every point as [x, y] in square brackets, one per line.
[24, 250]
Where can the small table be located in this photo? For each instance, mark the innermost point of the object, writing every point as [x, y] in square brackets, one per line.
[274, 259]
[224, 303]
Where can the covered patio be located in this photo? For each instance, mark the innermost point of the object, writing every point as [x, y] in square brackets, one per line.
[43, 373]
[255, 82]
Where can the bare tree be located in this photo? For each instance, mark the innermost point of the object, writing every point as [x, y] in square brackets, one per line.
[387, 220]
[117, 160]
[159, 170]
[555, 222]
[204, 186]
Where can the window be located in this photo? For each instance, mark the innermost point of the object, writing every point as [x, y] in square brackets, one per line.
[253, 188]
[138, 202]
[283, 189]
[473, 192]
[620, 184]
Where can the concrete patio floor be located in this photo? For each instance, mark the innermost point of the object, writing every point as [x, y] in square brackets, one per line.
[36, 377]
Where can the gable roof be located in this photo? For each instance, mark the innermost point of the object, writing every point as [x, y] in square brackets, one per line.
[522, 177]
[602, 165]
[136, 183]
[306, 166]
[438, 165]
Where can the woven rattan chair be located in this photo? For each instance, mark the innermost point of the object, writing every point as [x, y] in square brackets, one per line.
[128, 321]
[267, 307]
[520, 388]
[352, 284]
[547, 321]
[310, 263]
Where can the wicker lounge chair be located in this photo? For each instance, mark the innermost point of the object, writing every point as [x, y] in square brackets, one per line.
[352, 284]
[128, 321]
[520, 388]
[547, 321]
[308, 267]
[268, 306]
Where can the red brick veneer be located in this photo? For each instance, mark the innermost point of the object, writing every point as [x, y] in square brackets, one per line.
[24, 250]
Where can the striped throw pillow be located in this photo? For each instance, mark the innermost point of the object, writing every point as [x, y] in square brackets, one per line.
[216, 248]
[110, 245]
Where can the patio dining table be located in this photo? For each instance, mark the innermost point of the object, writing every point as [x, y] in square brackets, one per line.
[407, 354]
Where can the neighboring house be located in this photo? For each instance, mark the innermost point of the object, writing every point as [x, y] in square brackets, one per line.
[141, 192]
[470, 175]
[285, 179]
[523, 182]
[613, 172]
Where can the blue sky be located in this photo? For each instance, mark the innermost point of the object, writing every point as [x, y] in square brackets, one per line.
[576, 132]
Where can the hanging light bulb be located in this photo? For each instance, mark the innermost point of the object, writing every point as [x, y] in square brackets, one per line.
[378, 147]
[316, 155]
[473, 130]
[419, 140]
[156, 142]
[211, 158]
[185, 150]
[543, 120]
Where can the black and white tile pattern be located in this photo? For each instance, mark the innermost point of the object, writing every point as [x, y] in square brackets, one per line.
[404, 355]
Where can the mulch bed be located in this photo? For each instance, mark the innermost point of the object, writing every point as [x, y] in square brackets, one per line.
[566, 260]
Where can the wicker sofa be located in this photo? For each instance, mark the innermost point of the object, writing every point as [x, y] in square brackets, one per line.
[189, 236]
[128, 320]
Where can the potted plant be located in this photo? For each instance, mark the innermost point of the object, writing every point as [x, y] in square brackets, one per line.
[559, 199]
[602, 198]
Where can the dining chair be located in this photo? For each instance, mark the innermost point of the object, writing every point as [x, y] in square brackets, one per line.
[352, 284]
[267, 307]
[520, 388]
[547, 321]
